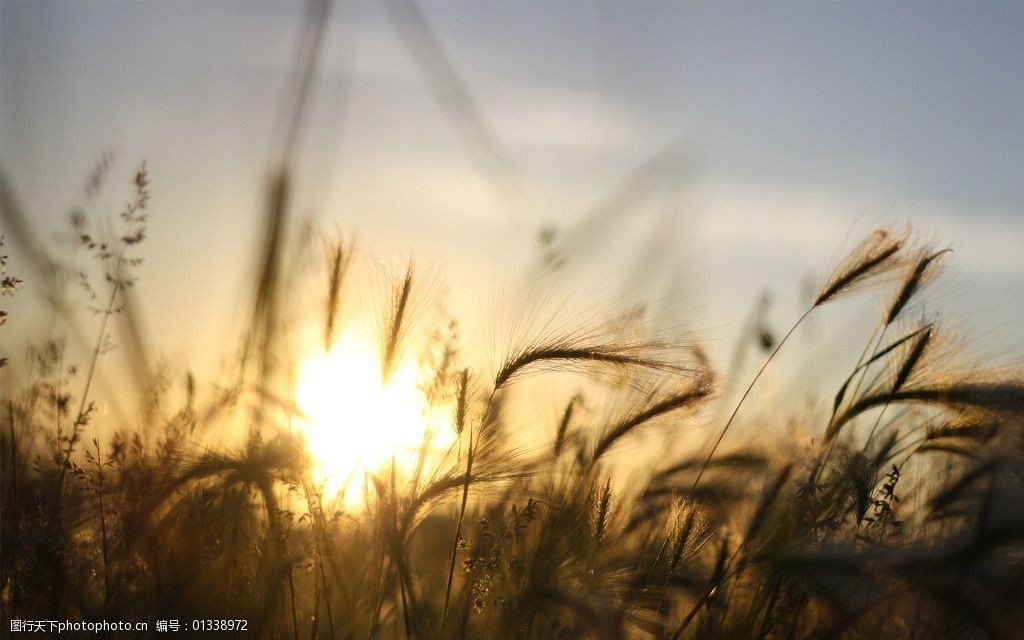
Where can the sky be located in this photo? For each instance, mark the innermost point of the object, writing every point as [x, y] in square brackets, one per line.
[776, 135]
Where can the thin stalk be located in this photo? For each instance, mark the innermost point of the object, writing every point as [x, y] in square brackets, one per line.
[14, 454]
[860, 361]
[458, 531]
[721, 435]
[316, 610]
[819, 464]
[317, 520]
[381, 573]
[716, 579]
[92, 366]
[395, 550]
[291, 594]
[103, 524]
[874, 428]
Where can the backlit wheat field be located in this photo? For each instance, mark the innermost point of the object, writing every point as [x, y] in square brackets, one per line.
[415, 319]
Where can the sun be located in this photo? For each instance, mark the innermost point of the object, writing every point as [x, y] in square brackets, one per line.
[355, 422]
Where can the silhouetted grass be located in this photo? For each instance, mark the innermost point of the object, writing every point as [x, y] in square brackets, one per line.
[774, 537]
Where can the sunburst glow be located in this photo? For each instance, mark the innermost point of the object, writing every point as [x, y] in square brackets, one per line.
[355, 421]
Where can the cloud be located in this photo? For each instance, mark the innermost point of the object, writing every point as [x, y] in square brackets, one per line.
[806, 224]
[560, 120]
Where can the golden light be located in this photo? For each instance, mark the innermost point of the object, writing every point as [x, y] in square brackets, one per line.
[355, 422]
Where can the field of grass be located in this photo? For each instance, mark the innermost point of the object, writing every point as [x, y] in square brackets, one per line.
[901, 516]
